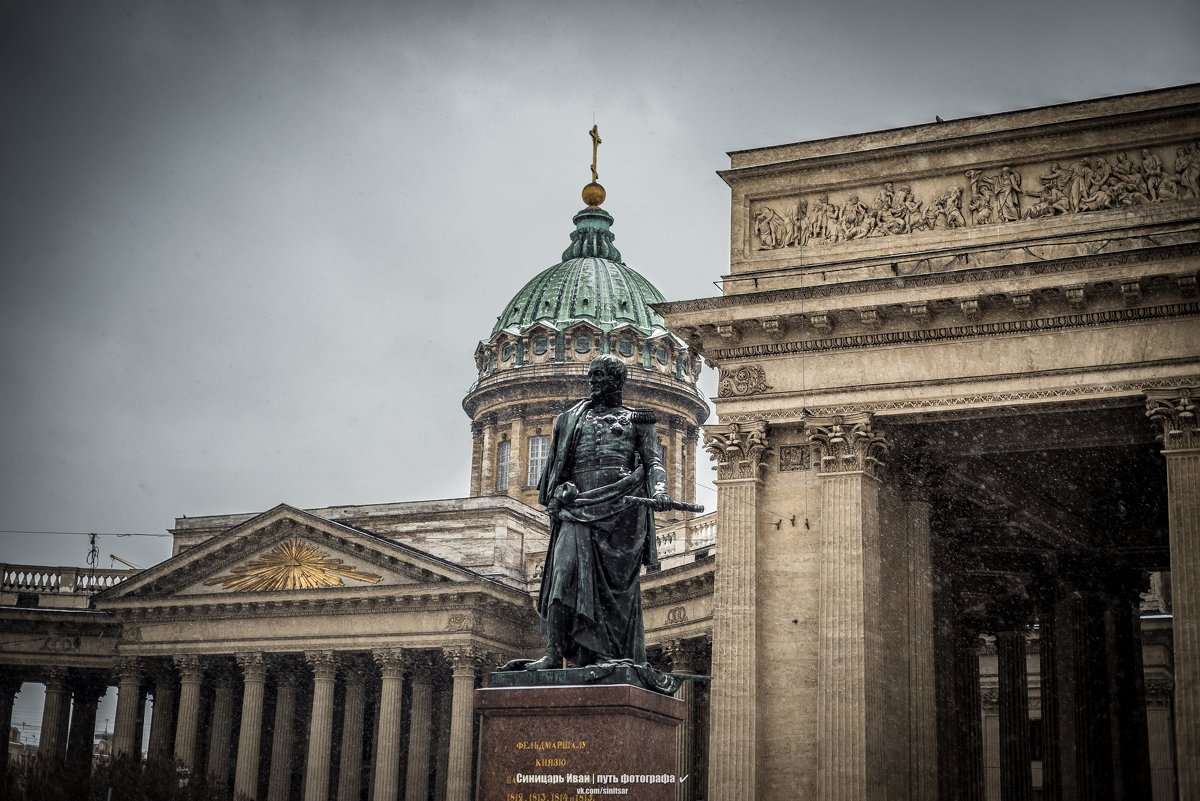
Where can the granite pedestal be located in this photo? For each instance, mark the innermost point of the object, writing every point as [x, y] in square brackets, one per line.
[577, 743]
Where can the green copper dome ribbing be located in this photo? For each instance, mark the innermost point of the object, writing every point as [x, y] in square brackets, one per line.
[591, 283]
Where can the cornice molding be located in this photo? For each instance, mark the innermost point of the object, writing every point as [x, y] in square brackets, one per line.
[1116, 388]
[974, 331]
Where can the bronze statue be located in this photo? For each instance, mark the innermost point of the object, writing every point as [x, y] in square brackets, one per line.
[601, 454]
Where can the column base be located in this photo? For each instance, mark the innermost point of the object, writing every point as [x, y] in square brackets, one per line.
[578, 741]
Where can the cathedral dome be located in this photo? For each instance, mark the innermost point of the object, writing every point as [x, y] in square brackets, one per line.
[590, 283]
[535, 363]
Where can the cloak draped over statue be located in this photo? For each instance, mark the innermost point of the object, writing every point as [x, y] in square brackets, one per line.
[599, 542]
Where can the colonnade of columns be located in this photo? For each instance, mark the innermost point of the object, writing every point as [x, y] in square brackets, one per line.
[197, 723]
[1090, 691]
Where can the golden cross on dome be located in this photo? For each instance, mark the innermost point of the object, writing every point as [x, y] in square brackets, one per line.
[595, 134]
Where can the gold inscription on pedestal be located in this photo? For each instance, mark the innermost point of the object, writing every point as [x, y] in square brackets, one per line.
[291, 565]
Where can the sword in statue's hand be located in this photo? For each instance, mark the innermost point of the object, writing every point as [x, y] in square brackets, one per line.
[662, 507]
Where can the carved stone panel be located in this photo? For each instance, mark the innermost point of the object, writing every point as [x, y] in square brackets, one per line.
[740, 381]
[795, 457]
[993, 196]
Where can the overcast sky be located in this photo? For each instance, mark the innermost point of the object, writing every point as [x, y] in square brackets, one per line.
[248, 249]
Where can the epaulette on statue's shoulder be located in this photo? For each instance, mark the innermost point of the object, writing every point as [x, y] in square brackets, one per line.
[644, 416]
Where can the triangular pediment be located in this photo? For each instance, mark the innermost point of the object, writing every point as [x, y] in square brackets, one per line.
[287, 550]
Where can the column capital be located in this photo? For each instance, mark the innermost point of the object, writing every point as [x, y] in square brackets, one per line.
[11, 679]
[54, 674]
[465, 658]
[322, 663]
[129, 669]
[738, 449]
[848, 444]
[87, 685]
[680, 653]
[392, 662]
[1175, 411]
[253, 665]
[189, 667]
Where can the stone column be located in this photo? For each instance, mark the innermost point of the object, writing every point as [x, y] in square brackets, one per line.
[1051, 755]
[386, 764]
[968, 715]
[1175, 411]
[680, 654]
[354, 706]
[738, 450]
[420, 729]
[191, 678]
[1127, 682]
[487, 472]
[52, 740]
[464, 663]
[221, 727]
[1016, 779]
[673, 459]
[320, 727]
[477, 456]
[1085, 732]
[849, 679]
[254, 678]
[923, 719]
[441, 758]
[129, 701]
[10, 684]
[86, 691]
[279, 784]
[516, 452]
[1161, 737]
[162, 719]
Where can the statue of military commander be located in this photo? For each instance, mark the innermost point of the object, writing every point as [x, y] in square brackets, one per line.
[602, 454]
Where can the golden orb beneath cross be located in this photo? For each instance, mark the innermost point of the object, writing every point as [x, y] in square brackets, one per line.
[593, 194]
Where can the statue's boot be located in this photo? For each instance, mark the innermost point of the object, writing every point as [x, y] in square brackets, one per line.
[556, 625]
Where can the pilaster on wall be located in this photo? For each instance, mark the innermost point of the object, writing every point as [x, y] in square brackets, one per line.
[848, 453]
[1175, 411]
[738, 450]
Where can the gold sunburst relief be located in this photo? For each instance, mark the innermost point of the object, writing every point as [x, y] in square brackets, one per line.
[291, 565]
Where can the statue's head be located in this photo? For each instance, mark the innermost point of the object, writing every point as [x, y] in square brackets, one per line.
[606, 375]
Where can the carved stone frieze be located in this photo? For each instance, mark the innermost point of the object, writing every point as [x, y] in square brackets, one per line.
[738, 449]
[740, 381]
[1175, 411]
[1009, 194]
[848, 444]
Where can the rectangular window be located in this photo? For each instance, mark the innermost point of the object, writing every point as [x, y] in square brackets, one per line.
[502, 452]
[538, 447]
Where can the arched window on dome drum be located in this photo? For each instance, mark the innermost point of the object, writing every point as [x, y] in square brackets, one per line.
[539, 447]
[503, 450]
[625, 347]
[540, 345]
[583, 343]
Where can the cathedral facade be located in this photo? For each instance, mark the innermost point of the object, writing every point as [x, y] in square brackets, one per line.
[957, 535]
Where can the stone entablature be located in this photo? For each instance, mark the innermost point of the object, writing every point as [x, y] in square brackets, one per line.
[964, 183]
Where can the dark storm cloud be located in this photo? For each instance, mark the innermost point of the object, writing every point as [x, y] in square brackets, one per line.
[248, 248]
